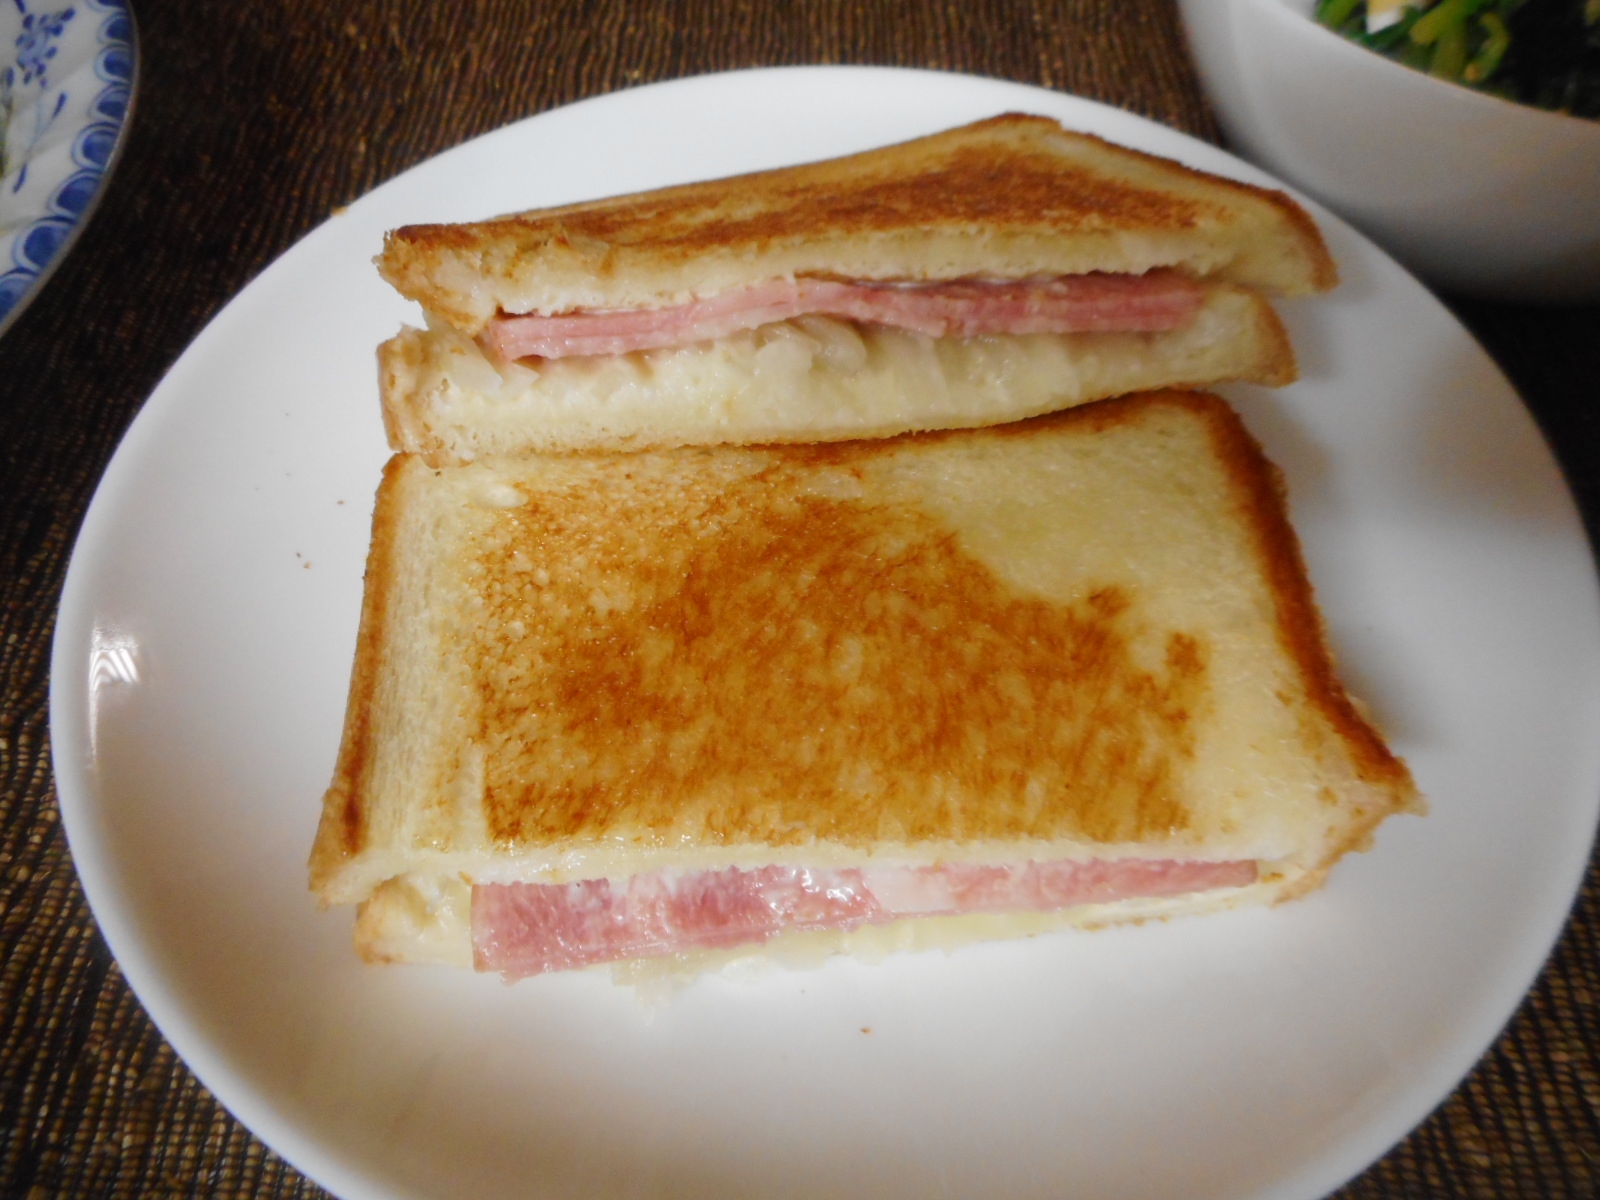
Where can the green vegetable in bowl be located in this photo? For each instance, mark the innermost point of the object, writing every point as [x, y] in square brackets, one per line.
[1540, 52]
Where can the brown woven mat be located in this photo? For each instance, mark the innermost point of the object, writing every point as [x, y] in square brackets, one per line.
[253, 123]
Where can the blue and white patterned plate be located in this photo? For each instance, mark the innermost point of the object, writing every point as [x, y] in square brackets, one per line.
[67, 70]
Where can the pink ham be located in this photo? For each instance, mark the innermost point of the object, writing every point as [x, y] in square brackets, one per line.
[522, 929]
[1095, 303]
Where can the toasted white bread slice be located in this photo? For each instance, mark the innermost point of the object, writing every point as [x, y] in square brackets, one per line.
[1012, 197]
[810, 379]
[1084, 637]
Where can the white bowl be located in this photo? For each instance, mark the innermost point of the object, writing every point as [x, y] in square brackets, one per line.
[1475, 194]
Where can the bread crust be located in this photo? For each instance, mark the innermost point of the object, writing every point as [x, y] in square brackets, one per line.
[1009, 197]
[342, 831]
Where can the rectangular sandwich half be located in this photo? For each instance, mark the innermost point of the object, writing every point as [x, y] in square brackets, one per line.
[678, 704]
[984, 274]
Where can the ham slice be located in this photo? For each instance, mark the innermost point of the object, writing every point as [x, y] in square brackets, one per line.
[1093, 303]
[522, 929]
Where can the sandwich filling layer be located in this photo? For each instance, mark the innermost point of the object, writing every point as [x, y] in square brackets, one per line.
[1153, 302]
[522, 929]
[811, 378]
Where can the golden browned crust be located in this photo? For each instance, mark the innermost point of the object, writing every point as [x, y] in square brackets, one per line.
[1013, 195]
[1276, 365]
[1322, 273]
[341, 833]
[1302, 631]
[1299, 623]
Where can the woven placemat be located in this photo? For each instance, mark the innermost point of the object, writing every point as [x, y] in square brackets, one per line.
[253, 123]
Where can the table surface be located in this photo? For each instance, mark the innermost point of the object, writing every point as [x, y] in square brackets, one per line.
[254, 122]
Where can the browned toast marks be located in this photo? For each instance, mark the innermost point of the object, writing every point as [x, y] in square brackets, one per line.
[772, 658]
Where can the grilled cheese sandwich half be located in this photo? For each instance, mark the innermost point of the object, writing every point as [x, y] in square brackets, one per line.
[1010, 268]
[678, 703]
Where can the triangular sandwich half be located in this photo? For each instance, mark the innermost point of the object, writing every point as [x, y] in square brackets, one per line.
[991, 272]
[680, 703]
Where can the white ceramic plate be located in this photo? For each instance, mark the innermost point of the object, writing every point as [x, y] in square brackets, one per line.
[67, 75]
[199, 676]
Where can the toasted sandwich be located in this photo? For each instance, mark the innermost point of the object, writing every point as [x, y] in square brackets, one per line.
[673, 705]
[985, 274]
